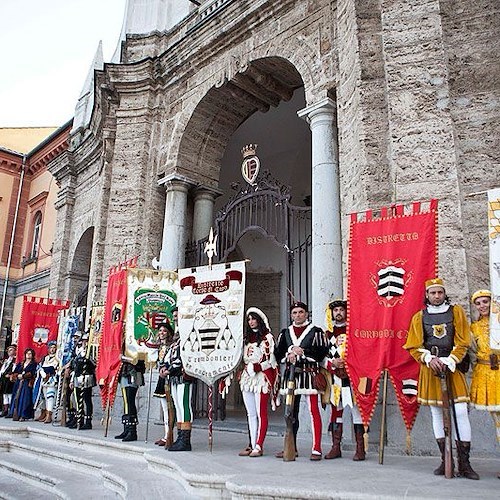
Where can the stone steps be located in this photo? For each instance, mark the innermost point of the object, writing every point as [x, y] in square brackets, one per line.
[74, 466]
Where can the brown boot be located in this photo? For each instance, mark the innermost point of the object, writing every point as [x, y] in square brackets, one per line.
[440, 470]
[48, 418]
[360, 455]
[336, 451]
[42, 416]
[464, 467]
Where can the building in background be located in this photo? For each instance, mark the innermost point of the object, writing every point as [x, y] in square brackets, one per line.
[27, 216]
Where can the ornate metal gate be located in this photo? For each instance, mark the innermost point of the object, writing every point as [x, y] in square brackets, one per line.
[264, 206]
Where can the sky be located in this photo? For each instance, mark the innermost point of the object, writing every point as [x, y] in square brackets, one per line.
[46, 50]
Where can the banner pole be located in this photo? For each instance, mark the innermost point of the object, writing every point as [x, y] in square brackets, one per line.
[106, 423]
[383, 427]
[210, 417]
[149, 402]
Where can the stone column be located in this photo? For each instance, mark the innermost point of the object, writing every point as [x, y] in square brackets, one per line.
[204, 200]
[326, 279]
[174, 226]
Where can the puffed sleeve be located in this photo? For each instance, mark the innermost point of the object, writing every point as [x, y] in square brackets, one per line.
[415, 340]
[462, 338]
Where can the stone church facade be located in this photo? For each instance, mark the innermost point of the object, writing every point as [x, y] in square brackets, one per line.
[400, 100]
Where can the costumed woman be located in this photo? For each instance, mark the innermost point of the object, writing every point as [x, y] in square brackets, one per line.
[21, 407]
[485, 385]
[257, 378]
[46, 383]
[6, 382]
[162, 390]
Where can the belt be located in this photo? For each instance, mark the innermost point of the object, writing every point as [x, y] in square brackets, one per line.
[483, 362]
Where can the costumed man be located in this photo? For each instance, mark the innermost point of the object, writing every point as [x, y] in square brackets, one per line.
[82, 381]
[67, 372]
[131, 378]
[438, 339]
[181, 388]
[6, 379]
[303, 345]
[340, 394]
[485, 385]
[162, 390]
[47, 383]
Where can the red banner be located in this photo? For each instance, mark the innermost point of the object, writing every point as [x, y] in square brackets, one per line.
[39, 324]
[111, 343]
[390, 257]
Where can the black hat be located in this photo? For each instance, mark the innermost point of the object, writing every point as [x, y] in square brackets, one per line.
[337, 303]
[302, 305]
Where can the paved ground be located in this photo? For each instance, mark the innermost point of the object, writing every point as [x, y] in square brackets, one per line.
[77, 465]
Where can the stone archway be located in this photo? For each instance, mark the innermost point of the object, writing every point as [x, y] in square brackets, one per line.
[78, 276]
[260, 85]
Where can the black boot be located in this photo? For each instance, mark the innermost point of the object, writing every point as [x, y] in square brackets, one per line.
[183, 442]
[440, 470]
[71, 422]
[124, 422]
[87, 425]
[5, 411]
[131, 434]
[464, 467]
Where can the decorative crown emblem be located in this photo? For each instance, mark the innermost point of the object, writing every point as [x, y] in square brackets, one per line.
[249, 150]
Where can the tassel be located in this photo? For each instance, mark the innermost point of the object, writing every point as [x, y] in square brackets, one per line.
[365, 438]
[408, 442]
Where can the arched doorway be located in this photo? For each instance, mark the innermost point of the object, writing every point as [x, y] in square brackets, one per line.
[80, 269]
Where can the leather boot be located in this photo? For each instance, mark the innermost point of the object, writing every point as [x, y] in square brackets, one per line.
[71, 419]
[48, 418]
[5, 411]
[440, 470]
[360, 454]
[464, 467]
[336, 451]
[42, 416]
[131, 434]
[183, 442]
[124, 422]
[87, 424]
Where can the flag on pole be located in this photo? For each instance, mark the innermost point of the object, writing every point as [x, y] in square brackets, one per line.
[494, 240]
[390, 257]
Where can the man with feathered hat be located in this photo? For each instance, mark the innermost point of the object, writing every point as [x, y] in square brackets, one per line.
[340, 395]
[305, 346]
[438, 339]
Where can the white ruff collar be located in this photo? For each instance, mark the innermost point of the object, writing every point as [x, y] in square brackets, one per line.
[297, 340]
[437, 309]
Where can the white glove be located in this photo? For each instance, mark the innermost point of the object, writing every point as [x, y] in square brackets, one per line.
[427, 356]
[449, 362]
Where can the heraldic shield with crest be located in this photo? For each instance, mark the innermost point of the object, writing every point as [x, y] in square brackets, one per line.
[211, 314]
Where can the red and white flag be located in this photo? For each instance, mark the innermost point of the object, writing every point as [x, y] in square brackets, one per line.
[390, 257]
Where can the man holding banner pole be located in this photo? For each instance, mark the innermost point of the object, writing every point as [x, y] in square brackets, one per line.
[443, 326]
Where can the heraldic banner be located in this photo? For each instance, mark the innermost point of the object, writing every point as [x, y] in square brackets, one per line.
[390, 257]
[95, 330]
[71, 321]
[151, 299]
[39, 324]
[110, 348]
[494, 239]
[211, 305]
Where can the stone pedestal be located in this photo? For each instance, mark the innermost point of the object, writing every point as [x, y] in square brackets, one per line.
[326, 233]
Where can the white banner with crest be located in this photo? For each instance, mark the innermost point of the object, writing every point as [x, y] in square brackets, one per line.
[211, 305]
[494, 239]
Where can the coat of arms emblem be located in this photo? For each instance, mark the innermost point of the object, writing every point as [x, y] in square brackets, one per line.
[251, 164]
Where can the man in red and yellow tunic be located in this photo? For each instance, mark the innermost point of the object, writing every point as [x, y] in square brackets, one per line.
[438, 339]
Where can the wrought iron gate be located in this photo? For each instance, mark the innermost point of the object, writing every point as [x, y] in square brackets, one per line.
[265, 207]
